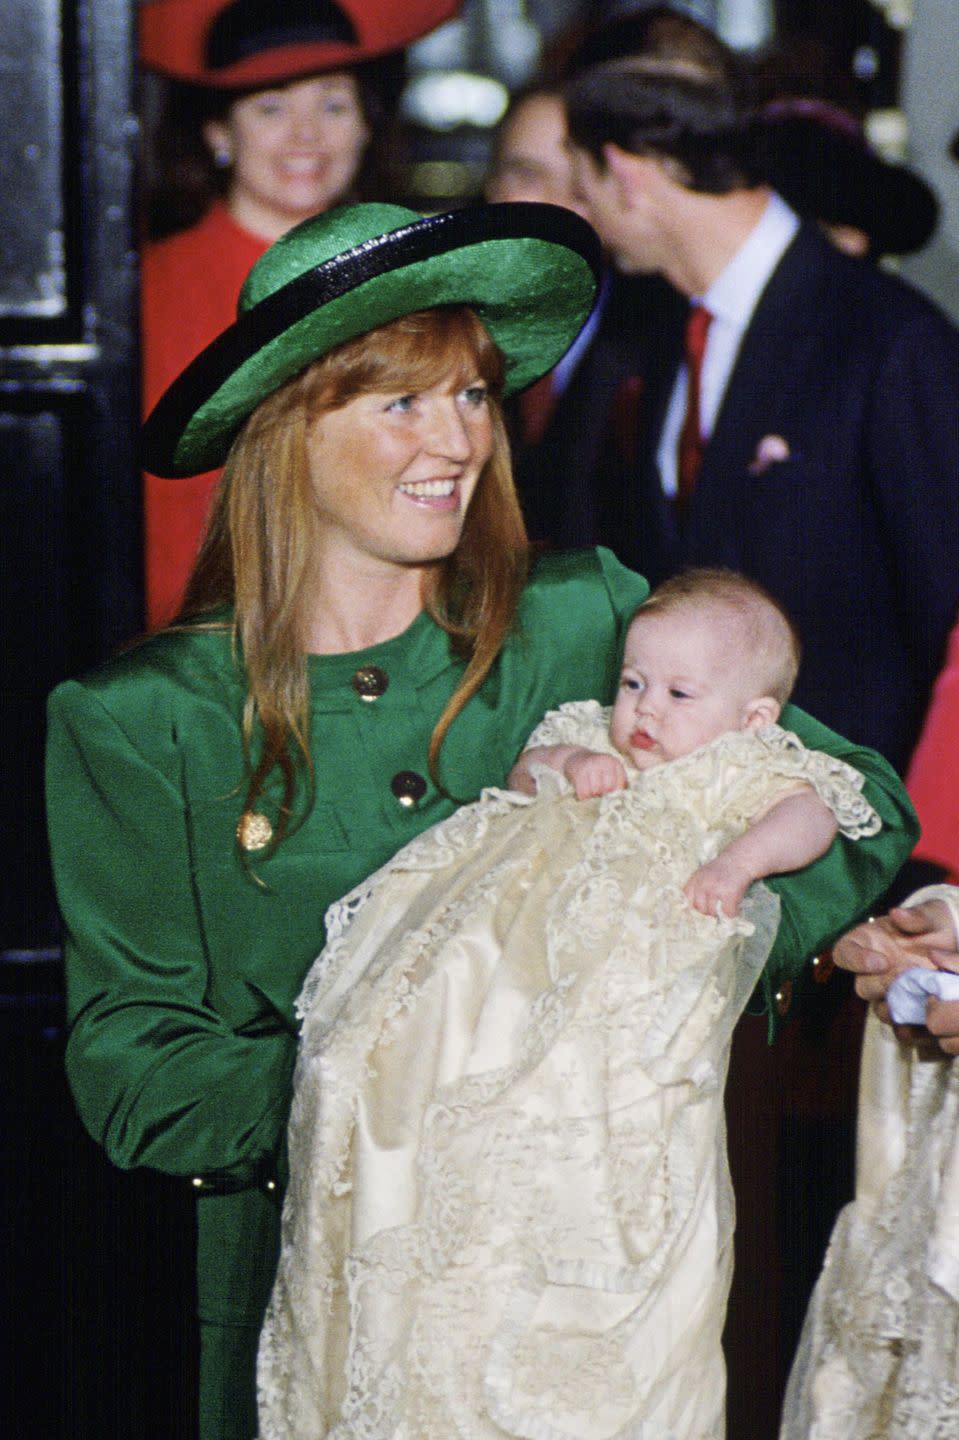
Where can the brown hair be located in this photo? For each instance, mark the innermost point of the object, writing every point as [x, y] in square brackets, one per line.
[258, 547]
[181, 177]
[770, 638]
[659, 32]
[669, 109]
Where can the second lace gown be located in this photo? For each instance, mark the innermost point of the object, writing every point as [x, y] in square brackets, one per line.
[510, 1210]
[878, 1358]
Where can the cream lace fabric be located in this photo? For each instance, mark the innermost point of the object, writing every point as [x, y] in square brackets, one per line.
[510, 1211]
[879, 1354]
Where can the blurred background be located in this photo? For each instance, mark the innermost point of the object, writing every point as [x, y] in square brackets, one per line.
[93, 1260]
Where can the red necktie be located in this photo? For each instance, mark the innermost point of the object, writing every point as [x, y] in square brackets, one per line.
[691, 436]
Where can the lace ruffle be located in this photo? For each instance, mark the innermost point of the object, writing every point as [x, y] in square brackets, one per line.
[879, 1354]
[585, 722]
[739, 764]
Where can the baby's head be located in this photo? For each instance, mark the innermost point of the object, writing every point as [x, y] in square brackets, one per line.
[709, 652]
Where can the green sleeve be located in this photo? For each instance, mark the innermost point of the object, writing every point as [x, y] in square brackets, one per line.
[627, 591]
[822, 901]
[159, 1077]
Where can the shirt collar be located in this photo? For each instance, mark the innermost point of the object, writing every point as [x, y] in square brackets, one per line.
[734, 293]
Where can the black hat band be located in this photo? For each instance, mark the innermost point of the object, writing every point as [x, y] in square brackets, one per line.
[249, 27]
[396, 250]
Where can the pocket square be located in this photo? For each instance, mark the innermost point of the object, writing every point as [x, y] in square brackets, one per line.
[771, 450]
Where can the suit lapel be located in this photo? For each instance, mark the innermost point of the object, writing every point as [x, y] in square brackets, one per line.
[629, 511]
[784, 329]
[648, 516]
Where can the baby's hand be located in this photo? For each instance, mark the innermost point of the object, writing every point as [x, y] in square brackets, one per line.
[720, 883]
[593, 773]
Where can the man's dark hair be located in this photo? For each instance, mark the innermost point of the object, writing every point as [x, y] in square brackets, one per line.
[657, 32]
[667, 109]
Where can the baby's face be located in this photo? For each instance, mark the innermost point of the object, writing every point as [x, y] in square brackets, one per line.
[684, 682]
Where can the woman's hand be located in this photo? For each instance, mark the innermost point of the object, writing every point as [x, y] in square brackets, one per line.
[942, 1021]
[908, 937]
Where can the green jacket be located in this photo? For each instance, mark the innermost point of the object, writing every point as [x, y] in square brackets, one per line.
[183, 963]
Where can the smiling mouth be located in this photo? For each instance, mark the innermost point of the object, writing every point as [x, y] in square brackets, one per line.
[428, 489]
[305, 169]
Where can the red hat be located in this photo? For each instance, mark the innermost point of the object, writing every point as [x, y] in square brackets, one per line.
[239, 44]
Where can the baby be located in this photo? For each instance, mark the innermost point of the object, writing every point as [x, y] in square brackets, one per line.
[509, 1207]
[709, 652]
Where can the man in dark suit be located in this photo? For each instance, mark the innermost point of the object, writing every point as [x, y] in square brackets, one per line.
[817, 448]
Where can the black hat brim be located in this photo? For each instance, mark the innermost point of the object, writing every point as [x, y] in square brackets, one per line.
[834, 178]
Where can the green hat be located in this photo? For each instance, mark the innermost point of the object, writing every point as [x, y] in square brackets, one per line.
[529, 271]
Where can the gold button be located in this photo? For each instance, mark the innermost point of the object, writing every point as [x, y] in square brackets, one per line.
[784, 998]
[254, 831]
[370, 682]
[408, 787]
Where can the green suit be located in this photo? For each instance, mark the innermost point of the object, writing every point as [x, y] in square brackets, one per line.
[184, 962]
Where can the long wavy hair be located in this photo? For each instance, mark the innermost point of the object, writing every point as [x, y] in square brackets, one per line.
[258, 552]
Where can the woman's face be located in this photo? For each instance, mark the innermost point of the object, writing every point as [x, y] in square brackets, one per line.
[294, 150]
[393, 474]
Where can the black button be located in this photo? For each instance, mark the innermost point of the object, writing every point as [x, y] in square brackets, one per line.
[369, 682]
[408, 787]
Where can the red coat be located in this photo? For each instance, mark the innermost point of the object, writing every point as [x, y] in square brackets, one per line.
[933, 777]
[190, 284]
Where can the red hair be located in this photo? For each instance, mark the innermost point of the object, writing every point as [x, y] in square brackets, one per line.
[257, 551]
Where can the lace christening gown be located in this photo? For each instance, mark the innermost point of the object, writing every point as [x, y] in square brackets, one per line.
[510, 1210]
[879, 1354]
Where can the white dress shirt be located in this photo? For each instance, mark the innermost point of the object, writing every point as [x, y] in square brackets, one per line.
[731, 300]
